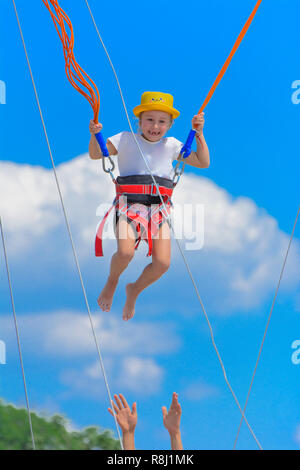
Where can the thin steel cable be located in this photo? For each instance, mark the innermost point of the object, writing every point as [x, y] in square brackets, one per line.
[172, 229]
[68, 225]
[268, 323]
[17, 334]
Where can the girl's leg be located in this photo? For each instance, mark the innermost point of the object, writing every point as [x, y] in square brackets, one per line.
[119, 262]
[161, 256]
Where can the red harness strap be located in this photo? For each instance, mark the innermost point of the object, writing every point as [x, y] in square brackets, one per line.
[146, 228]
[143, 189]
[98, 241]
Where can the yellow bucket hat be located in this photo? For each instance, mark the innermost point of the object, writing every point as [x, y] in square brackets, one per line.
[155, 100]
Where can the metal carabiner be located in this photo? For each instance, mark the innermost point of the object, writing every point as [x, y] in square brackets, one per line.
[185, 152]
[178, 170]
[109, 170]
[105, 154]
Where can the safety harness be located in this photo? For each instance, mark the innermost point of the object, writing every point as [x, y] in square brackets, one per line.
[146, 220]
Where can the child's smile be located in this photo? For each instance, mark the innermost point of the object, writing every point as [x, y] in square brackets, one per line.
[155, 124]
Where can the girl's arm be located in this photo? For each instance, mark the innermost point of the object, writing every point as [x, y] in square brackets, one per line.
[200, 158]
[94, 149]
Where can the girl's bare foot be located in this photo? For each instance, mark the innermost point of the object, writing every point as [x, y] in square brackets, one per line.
[129, 308]
[106, 297]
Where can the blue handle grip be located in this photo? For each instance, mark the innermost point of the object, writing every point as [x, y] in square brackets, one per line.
[187, 148]
[102, 144]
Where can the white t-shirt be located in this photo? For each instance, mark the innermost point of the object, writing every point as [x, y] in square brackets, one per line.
[159, 155]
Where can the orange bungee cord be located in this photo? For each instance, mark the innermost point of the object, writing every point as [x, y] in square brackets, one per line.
[187, 148]
[76, 75]
[229, 59]
[78, 78]
[85, 85]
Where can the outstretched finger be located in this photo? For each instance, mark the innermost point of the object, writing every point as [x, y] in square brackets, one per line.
[174, 398]
[134, 411]
[123, 399]
[118, 402]
[175, 403]
[111, 412]
[114, 407]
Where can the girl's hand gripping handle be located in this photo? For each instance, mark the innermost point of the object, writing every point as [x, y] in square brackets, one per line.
[187, 148]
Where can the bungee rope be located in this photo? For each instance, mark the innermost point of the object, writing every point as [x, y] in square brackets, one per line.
[267, 325]
[94, 100]
[76, 75]
[17, 334]
[177, 173]
[186, 149]
[178, 244]
[78, 78]
[68, 44]
[230, 57]
[65, 214]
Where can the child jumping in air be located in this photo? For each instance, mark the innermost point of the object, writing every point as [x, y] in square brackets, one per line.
[156, 115]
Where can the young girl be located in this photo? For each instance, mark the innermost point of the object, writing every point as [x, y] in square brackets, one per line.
[156, 114]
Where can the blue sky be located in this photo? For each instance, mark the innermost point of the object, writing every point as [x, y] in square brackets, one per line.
[250, 195]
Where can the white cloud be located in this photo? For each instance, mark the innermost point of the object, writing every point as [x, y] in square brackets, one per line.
[67, 335]
[199, 390]
[297, 436]
[128, 350]
[139, 375]
[244, 250]
[88, 381]
[243, 246]
[30, 205]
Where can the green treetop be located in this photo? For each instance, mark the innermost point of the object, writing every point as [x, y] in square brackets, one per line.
[49, 433]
